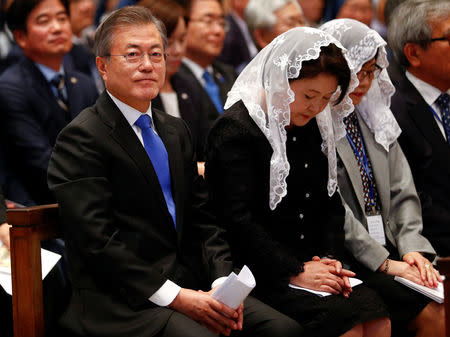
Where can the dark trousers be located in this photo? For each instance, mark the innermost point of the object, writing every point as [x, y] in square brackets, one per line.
[260, 320]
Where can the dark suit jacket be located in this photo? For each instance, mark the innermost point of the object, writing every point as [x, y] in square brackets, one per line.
[428, 154]
[235, 50]
[186, 82]
[189, 112]
[121, 240]
[2, 207]
[307, 222]
[32, 119]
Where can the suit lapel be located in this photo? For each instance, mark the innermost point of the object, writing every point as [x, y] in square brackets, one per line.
[124, 135]
[422, 116]
[348, 158]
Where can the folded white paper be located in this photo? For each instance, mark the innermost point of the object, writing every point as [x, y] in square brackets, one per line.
[353, 282]
[48, 261]
[436, 294]
[234, 290]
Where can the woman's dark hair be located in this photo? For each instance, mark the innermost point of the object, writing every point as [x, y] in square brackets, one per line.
[18, 12]
[168, 11]
[330, 61]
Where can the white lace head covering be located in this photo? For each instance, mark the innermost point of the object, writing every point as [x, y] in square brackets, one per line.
[263, 87]
[363, 44]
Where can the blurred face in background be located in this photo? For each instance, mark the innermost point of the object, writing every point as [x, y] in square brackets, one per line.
[360, 10]
[82, 15]
[176, 48]
[288, 16]
[312, 9]
[48, 35]
[205, 31]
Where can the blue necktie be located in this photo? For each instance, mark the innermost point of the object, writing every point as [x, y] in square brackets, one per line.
[213, 91]
[160, 160]
[443, 102]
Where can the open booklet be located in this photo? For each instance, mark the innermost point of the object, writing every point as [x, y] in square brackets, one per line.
[353, 282]
[233, 291]
[436, 294]
[48, 261]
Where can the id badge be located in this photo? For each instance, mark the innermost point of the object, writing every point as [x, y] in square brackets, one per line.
[376, 228]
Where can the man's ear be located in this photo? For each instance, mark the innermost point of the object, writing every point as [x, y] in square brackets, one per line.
[21, 38]
[260, 38]
[101, 66]
[413, 53]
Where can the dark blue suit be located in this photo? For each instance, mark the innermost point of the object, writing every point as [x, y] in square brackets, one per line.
[206, 113]
[235, 51]
[31, 120]
[428, 155]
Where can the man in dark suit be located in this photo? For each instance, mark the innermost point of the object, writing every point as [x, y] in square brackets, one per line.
[138, 239]
[419, 37]
[34, 109]
[204, 79]
[238, 47]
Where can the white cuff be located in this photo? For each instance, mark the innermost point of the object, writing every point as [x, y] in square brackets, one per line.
[166, 294]
[218, 281]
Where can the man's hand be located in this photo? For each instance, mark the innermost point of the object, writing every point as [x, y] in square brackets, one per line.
[4, 234]
[430, 276]
[207, 311]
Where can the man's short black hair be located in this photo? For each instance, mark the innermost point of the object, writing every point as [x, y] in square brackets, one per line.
[18, 12]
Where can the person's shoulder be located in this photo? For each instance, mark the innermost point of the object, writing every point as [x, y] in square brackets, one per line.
[14, 74]
[235, 122]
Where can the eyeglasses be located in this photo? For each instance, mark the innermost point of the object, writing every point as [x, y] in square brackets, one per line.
[136, 57]
[371, 74]
[210, 21]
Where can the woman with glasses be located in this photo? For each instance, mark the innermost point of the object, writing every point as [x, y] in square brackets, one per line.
[271, 169]
[383, 221]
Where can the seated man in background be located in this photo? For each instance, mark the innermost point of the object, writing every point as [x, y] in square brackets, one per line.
[37, 95]
[132, 206]
[206, 80]
[268, 19]
[419, 37]
[238, 47]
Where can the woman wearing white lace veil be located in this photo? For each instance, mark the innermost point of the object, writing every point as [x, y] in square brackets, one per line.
[383, 221]
[273, 187]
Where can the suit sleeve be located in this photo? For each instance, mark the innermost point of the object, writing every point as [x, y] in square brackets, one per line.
[234, 187]
[405, 207]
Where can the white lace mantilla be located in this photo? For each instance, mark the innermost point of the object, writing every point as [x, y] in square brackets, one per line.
[263, 87]
[363, 44]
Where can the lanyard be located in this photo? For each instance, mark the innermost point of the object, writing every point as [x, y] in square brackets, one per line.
[365, 165]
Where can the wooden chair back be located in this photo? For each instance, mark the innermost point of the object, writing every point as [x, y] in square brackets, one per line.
[30, 226]
[444, 268]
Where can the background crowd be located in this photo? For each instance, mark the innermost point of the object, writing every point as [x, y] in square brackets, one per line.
[388, 155]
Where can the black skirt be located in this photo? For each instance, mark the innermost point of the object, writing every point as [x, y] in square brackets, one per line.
[330, 315]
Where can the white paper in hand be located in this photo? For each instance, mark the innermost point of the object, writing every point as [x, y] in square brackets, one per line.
[48, 261]
[233, 291]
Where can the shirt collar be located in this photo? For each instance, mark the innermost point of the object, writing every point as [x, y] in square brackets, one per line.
[49, 73]
[130, 113]
[196, 69]
[428, 92]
